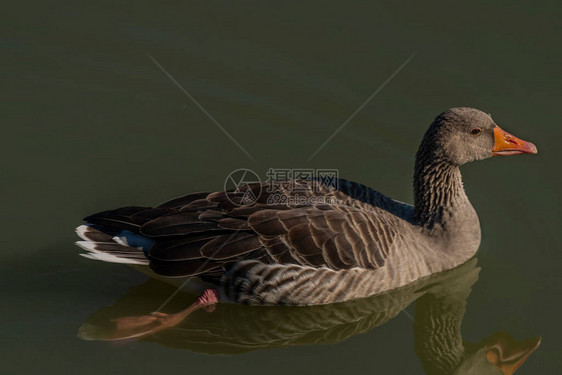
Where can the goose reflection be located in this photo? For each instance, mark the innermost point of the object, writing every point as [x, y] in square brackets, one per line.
[232, 329]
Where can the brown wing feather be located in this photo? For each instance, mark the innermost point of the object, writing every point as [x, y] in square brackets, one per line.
[183, 200]
[344, 236]
[208, 227]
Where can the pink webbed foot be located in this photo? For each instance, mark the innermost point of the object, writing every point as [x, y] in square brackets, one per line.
[208, 300]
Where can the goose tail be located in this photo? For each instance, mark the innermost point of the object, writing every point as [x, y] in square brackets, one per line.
[112, 246]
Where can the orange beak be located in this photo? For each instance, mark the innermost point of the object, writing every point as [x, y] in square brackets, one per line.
[508, 144]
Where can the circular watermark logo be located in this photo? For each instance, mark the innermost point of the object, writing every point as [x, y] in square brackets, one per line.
[235, 187]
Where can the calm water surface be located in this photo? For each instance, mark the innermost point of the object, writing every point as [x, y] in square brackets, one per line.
[90, 123]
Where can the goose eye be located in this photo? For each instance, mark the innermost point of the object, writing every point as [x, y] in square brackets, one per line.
[476, 131]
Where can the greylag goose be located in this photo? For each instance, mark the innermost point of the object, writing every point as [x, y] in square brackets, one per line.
[440, 307]
[359, 244]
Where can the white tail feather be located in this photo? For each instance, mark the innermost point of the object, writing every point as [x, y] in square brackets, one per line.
[112, 258]
[121, 240]
[81, 231]
[101, 246]
[88, 233]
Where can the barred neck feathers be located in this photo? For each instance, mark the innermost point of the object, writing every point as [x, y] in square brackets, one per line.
[438, 187]
[438, 191]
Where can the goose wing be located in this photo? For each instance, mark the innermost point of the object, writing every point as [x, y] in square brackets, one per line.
[203, 233]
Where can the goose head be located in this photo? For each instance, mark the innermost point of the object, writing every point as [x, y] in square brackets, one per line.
[461, 135]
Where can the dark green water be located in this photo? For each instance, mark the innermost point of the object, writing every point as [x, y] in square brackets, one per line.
[90, 123]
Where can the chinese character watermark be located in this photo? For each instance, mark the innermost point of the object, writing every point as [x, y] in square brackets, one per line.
[283, 186]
